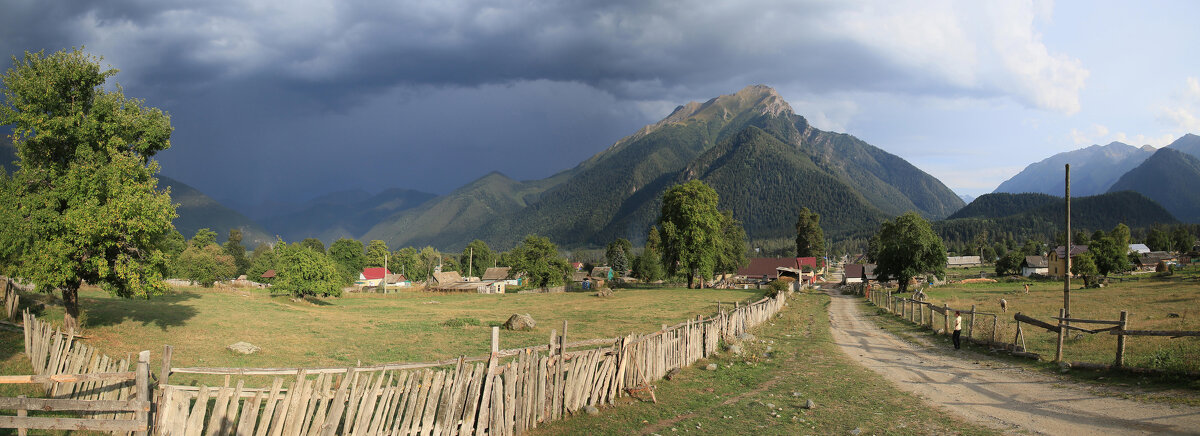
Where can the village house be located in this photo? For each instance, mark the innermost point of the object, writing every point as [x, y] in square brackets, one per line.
[1149, 261]
[859, 273]
[1056, 259]
[963, 261]
[370, 277]
[1035, 265]
[452, 281]
[769, 268]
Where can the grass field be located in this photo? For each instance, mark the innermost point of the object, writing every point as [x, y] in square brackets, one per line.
[371, 328]
[1149, 300]
[759, 394]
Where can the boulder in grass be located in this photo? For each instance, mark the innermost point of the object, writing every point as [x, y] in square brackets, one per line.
[243, 348]
[520, 322]
[604, 292]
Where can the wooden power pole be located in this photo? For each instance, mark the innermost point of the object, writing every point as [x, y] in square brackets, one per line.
[1068, 249]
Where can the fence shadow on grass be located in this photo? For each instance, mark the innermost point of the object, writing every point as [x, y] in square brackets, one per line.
[162, 311]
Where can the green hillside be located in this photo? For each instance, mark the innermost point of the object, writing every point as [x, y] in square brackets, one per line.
[1000, 205]
[1042, 216]
[1171, 178]
[765, 161]
[766, 182]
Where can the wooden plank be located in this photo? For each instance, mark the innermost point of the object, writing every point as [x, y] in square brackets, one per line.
[429, 414]
[405, 386]
[66, 378]
[421, 399]
[334, 417]
[471, 406]
[410, 403]
[218, 413]
[315, 397]
[293, 425]
[249, 415]
[365, 405]
[264, 424]
[71, 424]
[324, 401]
[1171, 333]
[482, 422]
[1036, 322]
[1088, 321]
[57, 405]
[454, 402]
[195, 421]
[443, 405]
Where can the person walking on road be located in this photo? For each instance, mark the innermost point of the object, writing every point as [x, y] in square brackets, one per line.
[957, 329]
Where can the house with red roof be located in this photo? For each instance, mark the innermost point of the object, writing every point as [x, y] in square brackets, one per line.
[372, 276]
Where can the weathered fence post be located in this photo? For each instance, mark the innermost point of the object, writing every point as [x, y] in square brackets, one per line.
[945, 318]
[1058, 351]
[142, 381]
[22, 431]
[495, 339]
[971, 328]
[995, 326]
[166, 365]
[1121, 339]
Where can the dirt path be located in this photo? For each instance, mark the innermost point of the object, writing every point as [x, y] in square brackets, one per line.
[996, 394]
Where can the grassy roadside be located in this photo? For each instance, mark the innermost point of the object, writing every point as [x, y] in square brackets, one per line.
[1173, 390]
[793, 359]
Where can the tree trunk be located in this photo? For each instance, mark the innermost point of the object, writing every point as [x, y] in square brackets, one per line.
[70, 296]
[691, 278]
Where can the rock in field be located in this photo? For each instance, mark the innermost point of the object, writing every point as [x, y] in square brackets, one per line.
[672, 373]
[736, 349]
[243, 348]
[711, 367]
[591, 410]
[810, 404]
[604, 292]
[520, 322]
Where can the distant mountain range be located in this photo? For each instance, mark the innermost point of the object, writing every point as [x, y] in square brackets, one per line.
[1093, 170]
[763, 160]
[1033, 215]
[1172, 178]
[1168, 175]
[346, 214]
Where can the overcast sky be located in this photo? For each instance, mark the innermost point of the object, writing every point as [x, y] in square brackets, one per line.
[296, 98]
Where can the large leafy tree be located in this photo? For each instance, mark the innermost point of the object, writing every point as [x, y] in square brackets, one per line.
[84, 204]
[304, 271]
[234, 248]
[407, 261]
[909, 247]
[810, 239]
[1182, 239]
[377, 252]
[1159, 239]
[205, 265]
[538, 258]
[348, 255]
[691, 230]
[315, 244]
[477, 257]
[1108, 254]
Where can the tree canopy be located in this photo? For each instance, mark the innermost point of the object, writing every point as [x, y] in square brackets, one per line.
[477, 257]
[619, 254]
[84, 204]
[538, 258]
[810, 240]
[691, 230]
[348, 255]
[907, 248]
[303, 271]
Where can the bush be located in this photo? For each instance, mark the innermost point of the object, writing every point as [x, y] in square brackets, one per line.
[777, 286]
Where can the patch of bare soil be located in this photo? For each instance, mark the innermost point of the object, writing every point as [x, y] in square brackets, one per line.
[1003, 396]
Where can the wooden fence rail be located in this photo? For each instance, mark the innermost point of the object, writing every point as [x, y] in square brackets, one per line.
[115, 415]
[504, 393]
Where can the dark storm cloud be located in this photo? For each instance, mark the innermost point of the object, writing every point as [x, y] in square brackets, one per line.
[278, 96]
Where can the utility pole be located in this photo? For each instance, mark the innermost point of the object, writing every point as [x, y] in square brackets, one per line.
[385, 272]
[471, 263]
[1068, 249]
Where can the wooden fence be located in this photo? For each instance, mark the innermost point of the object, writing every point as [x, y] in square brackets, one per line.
[12, 300]
[78, 378]
[503, 393]
[914, 311]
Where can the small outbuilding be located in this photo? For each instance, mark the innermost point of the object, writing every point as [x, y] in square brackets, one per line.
[1035, 265]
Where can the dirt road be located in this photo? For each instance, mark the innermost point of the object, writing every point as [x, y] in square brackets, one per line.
[996, 394]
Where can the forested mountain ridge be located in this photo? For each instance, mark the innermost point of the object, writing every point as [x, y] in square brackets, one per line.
[615, 193]
[1172, 178]
[1093, 170]
[1041, 216]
